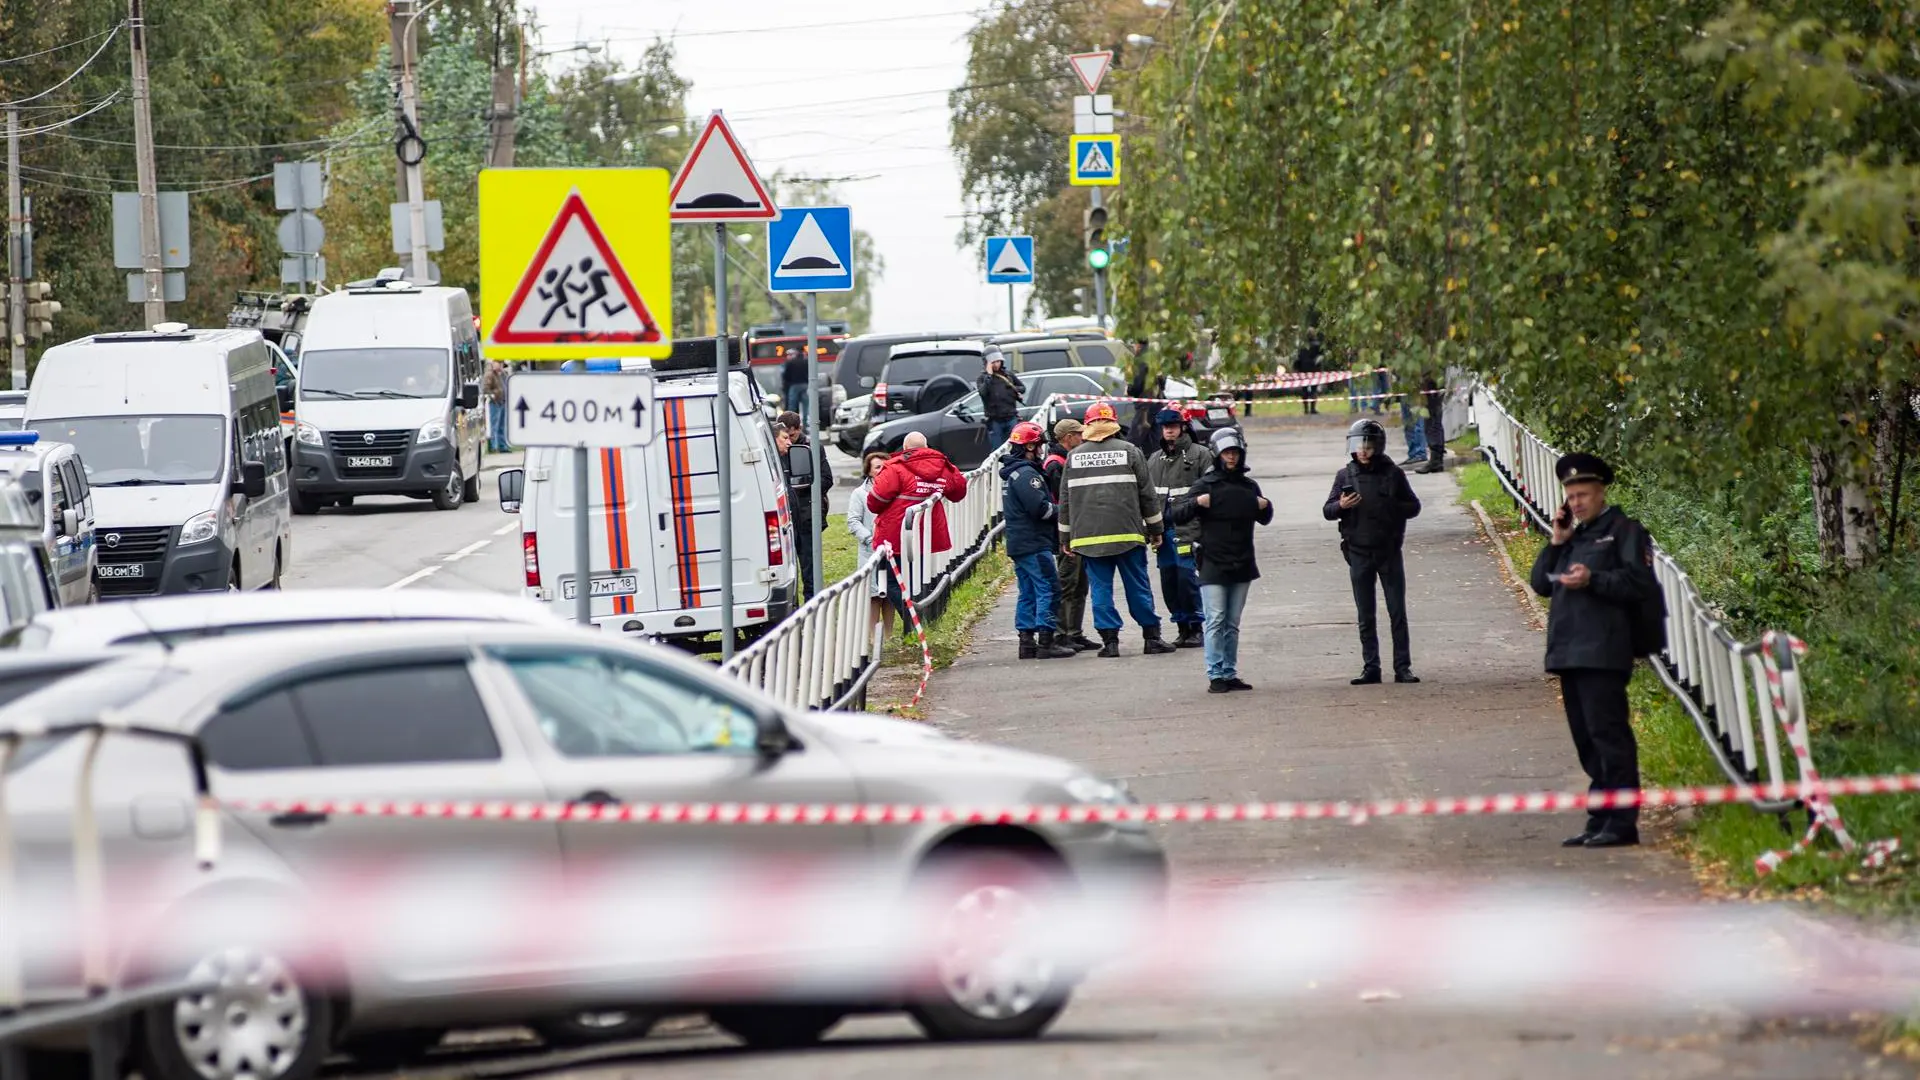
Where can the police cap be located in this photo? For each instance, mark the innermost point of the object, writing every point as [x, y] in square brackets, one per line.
[1573, 468]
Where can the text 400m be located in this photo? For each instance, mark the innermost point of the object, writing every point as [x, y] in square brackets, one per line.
[589, 411]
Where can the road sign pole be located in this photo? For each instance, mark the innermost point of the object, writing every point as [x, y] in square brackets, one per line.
[723, 437]
[1012, 326]
[1099, 276]
[582, 540]
[814, 515]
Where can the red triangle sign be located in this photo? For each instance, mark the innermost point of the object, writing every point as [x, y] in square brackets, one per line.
[717, 182]
[575, 290]
[1091, 67]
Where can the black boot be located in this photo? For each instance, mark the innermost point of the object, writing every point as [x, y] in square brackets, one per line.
[1190, 637]
[1050, 648]
[1154, 646]
[1081, 641]
[1109, 644]
[1027, 648]
[1436, 462]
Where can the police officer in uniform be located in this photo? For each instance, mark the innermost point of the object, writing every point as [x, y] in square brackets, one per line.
[1598, 570]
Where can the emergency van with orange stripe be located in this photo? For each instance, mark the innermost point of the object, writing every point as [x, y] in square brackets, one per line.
[654, 514]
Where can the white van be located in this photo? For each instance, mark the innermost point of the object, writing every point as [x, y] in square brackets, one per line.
[656, 554]
[178, 432]
[387, 401]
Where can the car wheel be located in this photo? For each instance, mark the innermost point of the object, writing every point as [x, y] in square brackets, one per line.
[390, 1049]
[987, 981]
[470, 491]
[777, 1027]
[279, 567]
[301, 504]
[233, 577]
[257, 1022]
[590, 1028]
[449, 496]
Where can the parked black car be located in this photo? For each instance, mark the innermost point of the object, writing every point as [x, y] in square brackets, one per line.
[960, 430]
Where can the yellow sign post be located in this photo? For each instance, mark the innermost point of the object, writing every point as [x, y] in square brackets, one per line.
[575, 263]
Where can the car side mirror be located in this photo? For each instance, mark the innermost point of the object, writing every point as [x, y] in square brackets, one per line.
[513, 485]
[70, 522]
[866, 382]
[470, 396]
[800, 462]
[252, 481]
[772, 740]
[962, 413]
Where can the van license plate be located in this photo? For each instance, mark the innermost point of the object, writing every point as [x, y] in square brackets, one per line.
[384, 462]
[1219, 416]
[618, 585]
[123, 570]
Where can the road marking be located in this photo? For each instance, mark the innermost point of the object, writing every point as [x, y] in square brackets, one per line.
[466, 551]
[507, 528]
[423, 572]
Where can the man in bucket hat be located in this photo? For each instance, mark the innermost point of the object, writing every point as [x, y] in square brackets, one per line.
[1599, 571]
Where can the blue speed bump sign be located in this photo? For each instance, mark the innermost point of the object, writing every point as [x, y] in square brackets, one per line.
[1095, 161]
[810, 249]
[1009, 260]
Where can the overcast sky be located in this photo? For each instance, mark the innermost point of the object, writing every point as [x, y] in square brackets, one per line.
[833, 88]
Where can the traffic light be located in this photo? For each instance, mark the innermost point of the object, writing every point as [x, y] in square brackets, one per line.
[1096, 238]
[40, 309]
[1080, 301]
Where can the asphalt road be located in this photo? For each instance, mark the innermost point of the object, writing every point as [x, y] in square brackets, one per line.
[1485, 720]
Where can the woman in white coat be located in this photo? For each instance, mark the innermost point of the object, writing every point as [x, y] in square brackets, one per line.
[860, 524]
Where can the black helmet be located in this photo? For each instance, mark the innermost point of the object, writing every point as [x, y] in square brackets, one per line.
[1366, 433]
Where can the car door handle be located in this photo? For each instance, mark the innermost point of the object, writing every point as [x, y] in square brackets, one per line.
[598, 798]
[297, 819]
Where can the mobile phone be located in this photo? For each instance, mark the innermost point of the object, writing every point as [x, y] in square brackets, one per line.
[1564, 517]
[1347, 488]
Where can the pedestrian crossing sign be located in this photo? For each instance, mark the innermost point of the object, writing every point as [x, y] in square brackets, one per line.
[575, 262]
[1095, 161]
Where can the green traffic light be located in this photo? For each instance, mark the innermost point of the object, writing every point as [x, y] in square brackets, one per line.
[1098, 258]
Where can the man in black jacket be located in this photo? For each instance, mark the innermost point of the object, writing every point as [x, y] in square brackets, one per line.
[1227, 503]
[1598, 570]
[1372, 501]
[807, 494]
[1001, 393]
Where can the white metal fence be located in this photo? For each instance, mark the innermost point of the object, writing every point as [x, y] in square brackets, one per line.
[1721, 681]
[973, 524]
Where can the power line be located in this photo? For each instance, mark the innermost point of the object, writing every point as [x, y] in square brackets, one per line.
[333, 140]
[72, 119]
[75, 73]
[69, 45]
[668, 35]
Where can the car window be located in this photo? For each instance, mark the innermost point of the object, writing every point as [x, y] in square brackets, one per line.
[415, 714]
[1044, 359]
[596, 705]
[1102, 354]
[72, 701]
[264, 733]
[15, 685]
[76, 480]
[923, 366]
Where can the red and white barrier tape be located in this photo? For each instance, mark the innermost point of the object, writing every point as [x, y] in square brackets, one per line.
[919, 629]
[1821, 808]
[1357, 811]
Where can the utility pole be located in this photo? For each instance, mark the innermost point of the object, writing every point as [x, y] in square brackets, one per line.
[16, 253]
[156, 305]
[396, 54]
[410, 148]
[506, 100]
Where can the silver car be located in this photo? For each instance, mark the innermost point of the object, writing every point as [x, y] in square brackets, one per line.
[528, 714]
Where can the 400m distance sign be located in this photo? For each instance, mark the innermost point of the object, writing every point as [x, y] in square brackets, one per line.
[594, 409]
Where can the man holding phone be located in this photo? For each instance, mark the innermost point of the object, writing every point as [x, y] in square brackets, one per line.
[1598, 570]
[1372, 501]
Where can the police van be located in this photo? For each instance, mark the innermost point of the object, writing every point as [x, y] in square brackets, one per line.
[178, 433]
[654, 512]
[52, 479]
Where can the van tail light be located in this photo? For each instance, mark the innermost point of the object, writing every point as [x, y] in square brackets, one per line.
[530, 555]
[776, 551]
[880, 395]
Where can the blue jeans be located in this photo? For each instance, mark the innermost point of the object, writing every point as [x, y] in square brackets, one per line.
[796, 399]
[1179, 581]
[1035, 574]
[1416, 428]
[1224, 604]
[1380, 380]
[997, 432]
[497, 425]
[1132, 565]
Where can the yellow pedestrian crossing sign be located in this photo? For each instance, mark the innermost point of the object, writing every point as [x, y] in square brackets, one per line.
[575, 263]
[1094, 161]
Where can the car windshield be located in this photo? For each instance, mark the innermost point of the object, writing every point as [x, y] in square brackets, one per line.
[768, 377]
[1044, 359]
[375, 373]
[11, 423]
[128, 451]
[920, 367]
[74, 700]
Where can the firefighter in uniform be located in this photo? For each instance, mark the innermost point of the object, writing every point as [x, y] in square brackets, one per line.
[1599, 571]
[1108, 515]
[1173, 468]
[1070, 600]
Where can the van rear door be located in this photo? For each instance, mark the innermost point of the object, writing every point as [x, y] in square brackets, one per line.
[618, 530]
[686, 481]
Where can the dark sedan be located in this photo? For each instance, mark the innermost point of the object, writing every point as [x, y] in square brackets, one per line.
[960, 430]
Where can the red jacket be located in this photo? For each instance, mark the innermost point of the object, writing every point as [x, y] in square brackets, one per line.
[909, 478]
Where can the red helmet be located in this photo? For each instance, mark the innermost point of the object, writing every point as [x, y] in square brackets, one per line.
[1026, 433]
[1101, 410]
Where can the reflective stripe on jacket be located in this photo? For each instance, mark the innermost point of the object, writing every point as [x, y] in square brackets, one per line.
[1174, 471]
[1107, 501]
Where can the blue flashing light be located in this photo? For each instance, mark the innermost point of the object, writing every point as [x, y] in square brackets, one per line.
[592, 365]
[19, 438]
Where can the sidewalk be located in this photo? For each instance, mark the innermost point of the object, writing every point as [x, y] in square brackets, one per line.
[1485, 719]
